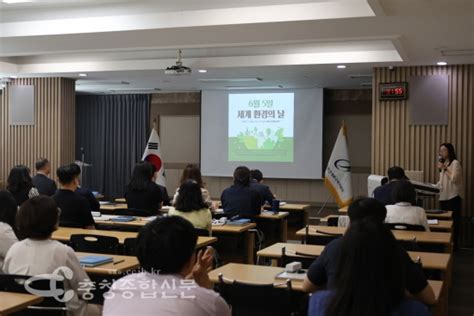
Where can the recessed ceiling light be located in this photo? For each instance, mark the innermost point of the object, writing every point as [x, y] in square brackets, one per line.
[13, 77]
[441, 63]
[341, 66]
[82, 75]
[203, 71]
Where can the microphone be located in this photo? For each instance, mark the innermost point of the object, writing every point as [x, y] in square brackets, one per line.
[82, 150]
[441, 159]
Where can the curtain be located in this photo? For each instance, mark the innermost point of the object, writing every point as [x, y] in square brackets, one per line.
[113, 131]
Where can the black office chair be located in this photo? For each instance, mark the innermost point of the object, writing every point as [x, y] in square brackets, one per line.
[403, 226]
[94, 243]
[49, 305]
[323, 238]
[134, 212]
[257, 299]
[202, 232]
[305, 259]
[130, 247]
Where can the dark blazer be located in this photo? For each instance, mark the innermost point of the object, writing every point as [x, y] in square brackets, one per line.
[263, 190]
[383, 194]
[44, 185]
[241, 200]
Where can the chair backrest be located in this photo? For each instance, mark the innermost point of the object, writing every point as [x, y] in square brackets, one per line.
[323, 238]
[70, 224]
[257, 299]
[16, 283]
[133, 212]
[403, 226]
[332, 221]
[130, 246]
[202, 232]
[305, 259]
[94, 243]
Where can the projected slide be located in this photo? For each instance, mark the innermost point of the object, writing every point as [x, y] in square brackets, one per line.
[261, 127]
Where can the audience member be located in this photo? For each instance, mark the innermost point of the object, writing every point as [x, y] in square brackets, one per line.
[370, 278]
[404, 210]
[38, 254]
[75, 209]
[142, 192]
[20, 184]
[166, 252]
[323, 270]
[7, 223]
[383, 194]
[240, 198]
[190, 205]
[41, 180]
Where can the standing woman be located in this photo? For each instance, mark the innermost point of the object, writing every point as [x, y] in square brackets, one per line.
[20, 184]
[450, 185]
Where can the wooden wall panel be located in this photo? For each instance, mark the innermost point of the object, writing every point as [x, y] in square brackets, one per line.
[53, 134]
[395, 142]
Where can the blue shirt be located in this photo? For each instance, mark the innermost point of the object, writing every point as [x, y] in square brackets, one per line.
[408, 307]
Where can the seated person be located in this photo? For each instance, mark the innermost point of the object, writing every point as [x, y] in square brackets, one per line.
[142, 192]
[192, 172]
[167, 255]
[262, 189]
[403, 211]
[38, 254]
[191, 206]
[322, 272]
[240, 198]
[383, 194]
[8, 236]
[369, 278]
[75, 209]
[41, 180]
[20, 184]
[86, 193]
[165, 195]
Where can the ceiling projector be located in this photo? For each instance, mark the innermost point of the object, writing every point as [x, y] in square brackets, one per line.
[178, 68]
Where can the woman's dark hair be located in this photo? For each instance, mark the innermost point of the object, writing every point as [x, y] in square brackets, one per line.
[242, 176]
[37, 218]
[8, 207]
[369, 208]
[404, 191]
[192, 172]
[141, 176]
[451, 152]
[190, 197]
[370, 275]
[165, 245]
[256, 174]
[19, 179]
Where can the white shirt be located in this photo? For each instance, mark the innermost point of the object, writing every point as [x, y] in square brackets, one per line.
[7, 239]
[451, 184]
[147, 294]
[35, 257]
[404, 212]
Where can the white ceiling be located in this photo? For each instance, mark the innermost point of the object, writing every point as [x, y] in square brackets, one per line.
[292, 43]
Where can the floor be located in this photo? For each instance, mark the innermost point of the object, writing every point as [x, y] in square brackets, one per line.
[461, 296]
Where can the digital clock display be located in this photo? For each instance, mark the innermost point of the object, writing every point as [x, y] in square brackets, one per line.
[393, 91]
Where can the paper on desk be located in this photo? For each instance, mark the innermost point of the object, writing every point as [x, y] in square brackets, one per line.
[433, 222]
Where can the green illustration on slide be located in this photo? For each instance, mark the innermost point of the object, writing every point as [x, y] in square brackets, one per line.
[261, 145]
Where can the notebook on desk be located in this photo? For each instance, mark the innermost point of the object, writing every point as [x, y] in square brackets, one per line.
[93, 261]
[123, 219]
[292, 275]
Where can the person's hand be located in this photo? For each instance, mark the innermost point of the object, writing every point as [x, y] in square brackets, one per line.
[441, 166]
[202, 266]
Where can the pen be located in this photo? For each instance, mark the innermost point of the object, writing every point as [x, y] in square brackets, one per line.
[120, 261]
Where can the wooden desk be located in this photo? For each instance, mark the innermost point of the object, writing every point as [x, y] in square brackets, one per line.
[120, 200]
[444, 216]
[129, 263]
[429, 260]
[110, 208]
[238, 231]
[442, 226]
[64, 234]
[281, 217]
[14, 302]
[444, 239]
[266, 275]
